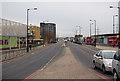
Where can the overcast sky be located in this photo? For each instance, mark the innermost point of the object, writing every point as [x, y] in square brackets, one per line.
[65, 14]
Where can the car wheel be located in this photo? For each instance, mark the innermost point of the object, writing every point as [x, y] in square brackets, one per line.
[103, 69]
[115, 76]
[94, 65]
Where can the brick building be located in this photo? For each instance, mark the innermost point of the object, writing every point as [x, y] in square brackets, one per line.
[34, 35]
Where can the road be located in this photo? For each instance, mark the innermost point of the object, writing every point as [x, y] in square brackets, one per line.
[84, 55]
[22, 68]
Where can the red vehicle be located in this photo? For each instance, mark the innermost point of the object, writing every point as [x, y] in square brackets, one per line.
[116, 41]
[113, 40]
[88, 40]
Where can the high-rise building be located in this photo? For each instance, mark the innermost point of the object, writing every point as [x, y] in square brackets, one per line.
[48, 32]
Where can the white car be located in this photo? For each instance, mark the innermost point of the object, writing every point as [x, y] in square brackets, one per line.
[103, 60]
[116, 66]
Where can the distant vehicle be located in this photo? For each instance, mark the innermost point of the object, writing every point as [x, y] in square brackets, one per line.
[104, 40]
[65, 42]
[116, 66]
[88, 40]
[103, 60]
[78, 42]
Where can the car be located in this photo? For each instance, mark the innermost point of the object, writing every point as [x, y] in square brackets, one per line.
[116, 66]
[103, 60]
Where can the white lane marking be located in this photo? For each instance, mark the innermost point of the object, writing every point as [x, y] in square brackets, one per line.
[34, 73]
[49, 61]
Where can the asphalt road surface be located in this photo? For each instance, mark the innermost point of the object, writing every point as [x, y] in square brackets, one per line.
[84, 54]
[20, 69]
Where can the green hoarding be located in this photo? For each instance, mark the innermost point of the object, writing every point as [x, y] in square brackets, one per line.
[7, 41]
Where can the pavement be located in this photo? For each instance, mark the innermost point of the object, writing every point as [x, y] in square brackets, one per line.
[65, 67]
[107, 47]
[103, 47]
[15, 53]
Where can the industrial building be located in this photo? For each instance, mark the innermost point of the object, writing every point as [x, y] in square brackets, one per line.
[12, 34]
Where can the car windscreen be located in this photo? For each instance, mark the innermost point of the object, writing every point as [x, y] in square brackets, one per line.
[108, 55]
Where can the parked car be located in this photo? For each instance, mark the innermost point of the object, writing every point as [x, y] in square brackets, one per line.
[116, 66]
[103, 60]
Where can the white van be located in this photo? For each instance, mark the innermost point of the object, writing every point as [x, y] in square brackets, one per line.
[116, 66]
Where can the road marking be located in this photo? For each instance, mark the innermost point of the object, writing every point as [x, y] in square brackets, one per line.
[100, 75]
[35, 73]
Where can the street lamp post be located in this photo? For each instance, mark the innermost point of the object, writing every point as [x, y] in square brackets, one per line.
[114, 23]
[27, 31]
[27, 28]
[79, 29]
[95, 31]
[119, 24]
[90, 27]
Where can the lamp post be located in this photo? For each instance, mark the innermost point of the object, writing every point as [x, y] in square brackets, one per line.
[114, 23]
[79, 29]
[95, 31]
[90, 27]
[27, 28]
[119, 24]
